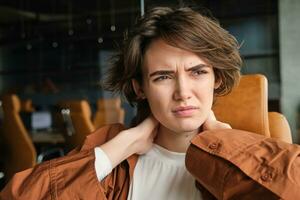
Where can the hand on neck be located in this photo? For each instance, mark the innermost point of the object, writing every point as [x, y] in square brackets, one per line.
[174, 141]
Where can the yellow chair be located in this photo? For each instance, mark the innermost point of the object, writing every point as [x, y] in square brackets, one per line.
[279, 127]
[76, 115]
[20, 152]
[26, 106]
[246, 108]
[108, 111]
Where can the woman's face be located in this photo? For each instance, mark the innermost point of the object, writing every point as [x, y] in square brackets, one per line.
[178, 85]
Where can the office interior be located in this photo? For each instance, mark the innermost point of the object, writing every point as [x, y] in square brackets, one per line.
[54, 54]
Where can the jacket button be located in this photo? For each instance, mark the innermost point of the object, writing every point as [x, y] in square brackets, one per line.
[213, 146]
[267, 176]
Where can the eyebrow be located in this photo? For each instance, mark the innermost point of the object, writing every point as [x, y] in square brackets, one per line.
[164, 72]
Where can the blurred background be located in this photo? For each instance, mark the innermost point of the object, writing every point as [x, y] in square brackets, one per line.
[53, 54]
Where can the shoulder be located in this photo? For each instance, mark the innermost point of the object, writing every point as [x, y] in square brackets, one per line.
[100, 136]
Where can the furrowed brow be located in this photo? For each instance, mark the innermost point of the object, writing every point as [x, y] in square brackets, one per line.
[197, 67]
[161, 72]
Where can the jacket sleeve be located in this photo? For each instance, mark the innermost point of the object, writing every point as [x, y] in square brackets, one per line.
[69, 177]
[235, 164]
[72, 176]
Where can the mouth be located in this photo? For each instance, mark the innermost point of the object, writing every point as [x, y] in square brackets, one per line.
[184, 111]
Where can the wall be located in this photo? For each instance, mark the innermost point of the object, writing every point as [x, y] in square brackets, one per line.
[289, 31]
[258, 35]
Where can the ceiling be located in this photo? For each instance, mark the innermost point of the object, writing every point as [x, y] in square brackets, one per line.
[75, 20]
[33, 19]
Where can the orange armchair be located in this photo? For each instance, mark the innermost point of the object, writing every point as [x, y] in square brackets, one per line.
[26, 106]
[79, 118]
[19, 152]
[246, 108]
[108, 111]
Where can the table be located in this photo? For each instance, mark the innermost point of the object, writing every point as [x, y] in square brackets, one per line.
[47, 137]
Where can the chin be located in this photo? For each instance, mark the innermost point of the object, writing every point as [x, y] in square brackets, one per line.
[180, 125]
[187, 127]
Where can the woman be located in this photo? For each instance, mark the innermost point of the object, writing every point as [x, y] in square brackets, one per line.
[171, 66]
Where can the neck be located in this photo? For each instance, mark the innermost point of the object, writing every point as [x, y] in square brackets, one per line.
[173, 141]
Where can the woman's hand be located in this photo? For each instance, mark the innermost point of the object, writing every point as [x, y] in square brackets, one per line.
[143, 135]
[212, 123]
[136, 140]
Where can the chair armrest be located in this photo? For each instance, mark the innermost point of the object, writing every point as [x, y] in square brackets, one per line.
[279, 127]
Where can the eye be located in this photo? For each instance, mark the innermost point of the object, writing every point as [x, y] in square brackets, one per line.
[199, 72]
[162, 77]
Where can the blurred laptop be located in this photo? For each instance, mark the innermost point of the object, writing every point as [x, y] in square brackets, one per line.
[37, 121]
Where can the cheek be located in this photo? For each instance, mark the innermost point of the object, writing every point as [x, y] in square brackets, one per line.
[205, 91]
[205, 96]
[158, 105]
[210, 98]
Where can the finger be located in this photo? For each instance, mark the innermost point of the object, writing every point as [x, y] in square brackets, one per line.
[226, 126]
[212, 116]
[210, 121]
[155, 131]
[149, 123]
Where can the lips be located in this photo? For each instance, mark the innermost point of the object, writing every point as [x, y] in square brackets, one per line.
[184, 111]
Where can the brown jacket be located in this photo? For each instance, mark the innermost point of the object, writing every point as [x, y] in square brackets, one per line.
[228, 164]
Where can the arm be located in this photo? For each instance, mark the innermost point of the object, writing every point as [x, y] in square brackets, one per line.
[238, 164]
[137, 140]
[62, 178]
[220, 177]
[65, 177]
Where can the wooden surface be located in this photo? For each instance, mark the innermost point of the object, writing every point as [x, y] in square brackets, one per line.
[47, 137]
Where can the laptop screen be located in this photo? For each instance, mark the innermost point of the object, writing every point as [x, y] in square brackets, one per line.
[39, 120]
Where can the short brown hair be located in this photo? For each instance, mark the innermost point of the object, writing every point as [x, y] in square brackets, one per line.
[179, 27]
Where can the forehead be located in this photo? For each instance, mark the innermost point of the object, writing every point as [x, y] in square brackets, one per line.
[161, 55]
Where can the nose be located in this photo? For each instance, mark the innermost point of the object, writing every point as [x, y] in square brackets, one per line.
[182, 90]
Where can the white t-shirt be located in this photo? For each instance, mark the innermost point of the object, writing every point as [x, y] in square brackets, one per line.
[159, 174]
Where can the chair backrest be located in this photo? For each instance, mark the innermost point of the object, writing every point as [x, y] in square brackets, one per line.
[279, 127]
[246, 107]
[80, 114]
[108, 111]
[20, 152]
[26, 106]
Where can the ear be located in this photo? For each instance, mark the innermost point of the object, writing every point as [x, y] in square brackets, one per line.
[138, 89]
[217, 83]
